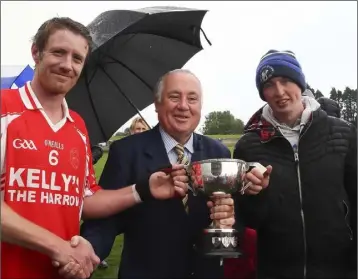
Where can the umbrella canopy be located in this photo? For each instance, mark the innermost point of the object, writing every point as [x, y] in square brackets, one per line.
[132, 49]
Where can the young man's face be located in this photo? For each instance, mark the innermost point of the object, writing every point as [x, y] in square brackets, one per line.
[282, 95]
[61, 62]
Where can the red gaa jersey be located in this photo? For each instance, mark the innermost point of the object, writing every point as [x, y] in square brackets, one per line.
[46, 171]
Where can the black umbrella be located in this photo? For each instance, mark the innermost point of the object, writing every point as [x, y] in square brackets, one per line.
[132, 49]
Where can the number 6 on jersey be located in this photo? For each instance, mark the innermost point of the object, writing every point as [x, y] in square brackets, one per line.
[53, 157]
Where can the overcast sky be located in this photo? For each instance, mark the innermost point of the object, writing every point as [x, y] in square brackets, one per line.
[322, 34]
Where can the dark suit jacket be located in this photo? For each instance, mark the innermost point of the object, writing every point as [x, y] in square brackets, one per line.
[159, 236]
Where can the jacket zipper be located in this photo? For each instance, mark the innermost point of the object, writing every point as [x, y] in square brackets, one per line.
[347, 221]
[297, 161]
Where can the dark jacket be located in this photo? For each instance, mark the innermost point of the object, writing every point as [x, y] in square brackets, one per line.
[330, 106]
[160, 238]
[307, 218]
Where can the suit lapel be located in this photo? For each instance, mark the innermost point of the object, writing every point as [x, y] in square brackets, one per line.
[157, 158]
[155, 152]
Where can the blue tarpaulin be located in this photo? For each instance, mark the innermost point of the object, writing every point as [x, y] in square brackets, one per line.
[15, 76]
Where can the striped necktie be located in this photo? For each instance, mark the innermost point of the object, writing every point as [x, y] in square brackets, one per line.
[182, 159]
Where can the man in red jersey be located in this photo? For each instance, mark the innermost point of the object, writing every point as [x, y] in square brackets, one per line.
[47, 179]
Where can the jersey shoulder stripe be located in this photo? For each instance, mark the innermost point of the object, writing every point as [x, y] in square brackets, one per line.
[11, 102]
[78, 120]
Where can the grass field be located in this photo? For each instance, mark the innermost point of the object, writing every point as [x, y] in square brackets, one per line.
[114, 258]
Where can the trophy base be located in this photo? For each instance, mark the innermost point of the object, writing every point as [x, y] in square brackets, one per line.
[221, 242]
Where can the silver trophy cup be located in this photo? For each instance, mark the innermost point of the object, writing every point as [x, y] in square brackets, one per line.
[216, 178]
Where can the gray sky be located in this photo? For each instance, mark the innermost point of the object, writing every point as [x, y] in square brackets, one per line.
[322, 34]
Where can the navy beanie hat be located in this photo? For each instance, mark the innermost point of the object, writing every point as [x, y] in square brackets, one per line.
[279, 64]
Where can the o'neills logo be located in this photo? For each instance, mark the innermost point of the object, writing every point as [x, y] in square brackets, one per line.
[39, 186]
[54, 144]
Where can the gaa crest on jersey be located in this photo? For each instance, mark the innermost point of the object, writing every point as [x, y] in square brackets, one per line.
[74, 158]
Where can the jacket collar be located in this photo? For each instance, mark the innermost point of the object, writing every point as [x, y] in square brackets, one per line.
[155, 149]
[266, 131]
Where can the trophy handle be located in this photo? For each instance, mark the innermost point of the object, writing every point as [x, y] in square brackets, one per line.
[247, 167]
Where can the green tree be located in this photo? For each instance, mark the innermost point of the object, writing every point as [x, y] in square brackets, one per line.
[119, 134]
[127, 131]
[349, 100]
[316, 93]
[312, 90]
[222, 123]
[337, 96]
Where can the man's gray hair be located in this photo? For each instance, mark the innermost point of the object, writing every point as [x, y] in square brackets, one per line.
[158, 89]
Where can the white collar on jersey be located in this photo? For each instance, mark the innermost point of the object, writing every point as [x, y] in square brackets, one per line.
[31, 102]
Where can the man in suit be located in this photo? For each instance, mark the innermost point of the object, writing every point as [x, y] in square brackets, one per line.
[160, 236]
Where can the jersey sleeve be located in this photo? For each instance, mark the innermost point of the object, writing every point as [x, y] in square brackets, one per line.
[91, 185]
[9, 112]
[3, 127]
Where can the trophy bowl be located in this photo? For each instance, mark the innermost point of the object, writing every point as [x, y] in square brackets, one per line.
[215, 178]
